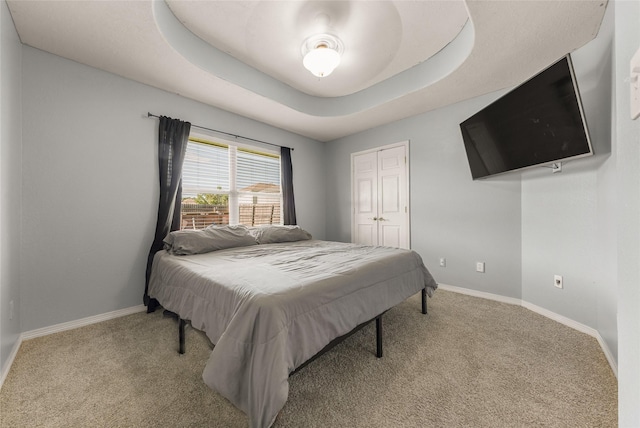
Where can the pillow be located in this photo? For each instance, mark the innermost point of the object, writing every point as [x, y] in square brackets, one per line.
[274, 234]
[186, 242]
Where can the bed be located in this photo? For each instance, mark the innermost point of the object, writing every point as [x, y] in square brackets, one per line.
[271, 302]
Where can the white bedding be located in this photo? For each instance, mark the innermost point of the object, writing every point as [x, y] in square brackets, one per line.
[269, 308]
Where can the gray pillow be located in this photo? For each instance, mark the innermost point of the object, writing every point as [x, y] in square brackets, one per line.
[274, 234]
[186, 242]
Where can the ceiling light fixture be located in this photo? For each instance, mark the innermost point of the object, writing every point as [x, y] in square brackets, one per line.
[322, 54]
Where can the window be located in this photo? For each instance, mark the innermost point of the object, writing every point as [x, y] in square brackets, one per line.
[228, 184]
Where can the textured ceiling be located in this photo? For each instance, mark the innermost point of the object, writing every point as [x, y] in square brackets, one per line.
[401, 58]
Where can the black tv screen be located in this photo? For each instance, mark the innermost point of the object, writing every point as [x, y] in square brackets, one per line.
[539, 122]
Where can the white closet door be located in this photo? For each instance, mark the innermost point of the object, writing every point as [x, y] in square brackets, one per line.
[392, 199]
[381, 197]
[365, 194]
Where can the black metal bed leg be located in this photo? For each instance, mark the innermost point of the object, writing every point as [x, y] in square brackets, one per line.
[181, 324]
[379, 336]
[424, 300]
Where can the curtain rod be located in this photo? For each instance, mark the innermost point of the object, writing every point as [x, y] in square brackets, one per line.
[227, 133]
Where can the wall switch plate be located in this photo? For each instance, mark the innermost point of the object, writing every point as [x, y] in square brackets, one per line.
[480, 267]
[557, 281]
[443, 262]
[11, 310]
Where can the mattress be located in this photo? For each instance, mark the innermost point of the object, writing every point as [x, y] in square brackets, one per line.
[269, 308]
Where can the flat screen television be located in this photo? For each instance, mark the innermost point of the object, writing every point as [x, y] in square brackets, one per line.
[540, 122]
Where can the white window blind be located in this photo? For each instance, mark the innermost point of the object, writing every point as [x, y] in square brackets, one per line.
[205, 169]
[257, 172]
[226, 184]
[258, 184]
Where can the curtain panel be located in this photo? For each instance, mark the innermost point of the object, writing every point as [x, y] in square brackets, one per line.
[288, 202]
[173, 135]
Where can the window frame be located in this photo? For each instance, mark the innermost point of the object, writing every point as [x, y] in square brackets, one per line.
[234, 193]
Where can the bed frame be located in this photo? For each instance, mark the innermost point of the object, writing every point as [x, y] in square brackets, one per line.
[378, 319]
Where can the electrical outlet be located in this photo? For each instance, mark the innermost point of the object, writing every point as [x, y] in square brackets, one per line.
[11, 310]
[557, 281]
[480, 267]
[443, 262]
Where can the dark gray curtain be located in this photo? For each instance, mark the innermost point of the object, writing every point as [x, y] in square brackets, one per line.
[172, 143]
[288, 203]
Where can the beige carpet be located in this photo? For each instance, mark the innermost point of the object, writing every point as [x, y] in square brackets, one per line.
[469, 363]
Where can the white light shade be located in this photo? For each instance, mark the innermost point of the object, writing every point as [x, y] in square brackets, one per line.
[321, 61]
[321, 54]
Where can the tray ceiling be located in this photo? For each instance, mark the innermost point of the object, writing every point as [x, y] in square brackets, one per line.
[400, 59]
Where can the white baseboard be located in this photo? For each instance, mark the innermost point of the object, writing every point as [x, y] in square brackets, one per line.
[481, 294]
[577, 326]
[63, 327]
[544, 312]
[608, 354]
[9, 362]
[57, 328]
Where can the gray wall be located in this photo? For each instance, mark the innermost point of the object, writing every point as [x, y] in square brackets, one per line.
[526, 226]
[582, 223]
[90, 184]
[627, 151]
[10, 182]
[568, 225]
[451, 216]
[88, 211]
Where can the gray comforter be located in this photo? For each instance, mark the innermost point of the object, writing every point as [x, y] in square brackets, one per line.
[269, 308]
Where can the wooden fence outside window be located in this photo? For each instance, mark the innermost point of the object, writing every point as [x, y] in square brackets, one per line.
[198, 216]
